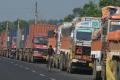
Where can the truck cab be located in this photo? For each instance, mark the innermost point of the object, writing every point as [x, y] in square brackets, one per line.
[81, 47]
[40, 47]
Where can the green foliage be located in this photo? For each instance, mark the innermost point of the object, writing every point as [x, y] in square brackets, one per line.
[3, 25]
[22, 23]
[104, 3]
[89, 9]
[69, 18]
[13, 24]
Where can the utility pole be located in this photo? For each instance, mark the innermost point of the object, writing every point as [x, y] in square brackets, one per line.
[36, 12]
[7, 40]
[7, 37]
[18, 34]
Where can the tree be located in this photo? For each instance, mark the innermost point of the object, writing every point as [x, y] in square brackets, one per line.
[3, 25]
[79, 12]
[89, 9]
[69, 18]
[22, 23]
[104, 3]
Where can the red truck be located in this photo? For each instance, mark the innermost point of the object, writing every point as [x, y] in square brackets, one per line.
[38, 41]
[40, 46]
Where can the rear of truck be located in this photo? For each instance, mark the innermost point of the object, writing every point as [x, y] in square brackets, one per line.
[111, 21]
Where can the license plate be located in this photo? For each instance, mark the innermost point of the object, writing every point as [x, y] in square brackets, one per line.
[82, 61]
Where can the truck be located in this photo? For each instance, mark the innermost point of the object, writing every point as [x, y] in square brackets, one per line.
[40, 47]
[74, 45]
[111, 22]
[27, 43]
[37, 42]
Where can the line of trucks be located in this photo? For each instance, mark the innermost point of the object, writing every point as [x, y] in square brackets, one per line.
[77, 44]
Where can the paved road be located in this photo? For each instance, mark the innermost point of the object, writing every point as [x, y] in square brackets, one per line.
[18, 70]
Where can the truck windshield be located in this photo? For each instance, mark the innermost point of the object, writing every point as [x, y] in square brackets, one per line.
[115, 25]
[114, 28]
[40, 40]
[41, 51]
[84, 36]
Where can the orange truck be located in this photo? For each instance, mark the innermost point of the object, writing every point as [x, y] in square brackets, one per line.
[37, 40]
[112, 22]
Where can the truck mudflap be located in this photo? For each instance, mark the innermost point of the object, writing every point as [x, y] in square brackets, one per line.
[109, 73]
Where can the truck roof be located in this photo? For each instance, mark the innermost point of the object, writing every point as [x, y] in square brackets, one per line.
[112, 12]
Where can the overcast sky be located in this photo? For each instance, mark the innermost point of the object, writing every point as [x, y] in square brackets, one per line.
[24, 9]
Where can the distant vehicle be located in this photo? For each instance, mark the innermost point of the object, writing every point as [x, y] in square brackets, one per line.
[40, 47]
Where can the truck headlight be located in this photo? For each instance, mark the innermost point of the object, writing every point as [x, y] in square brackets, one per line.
[90, 65]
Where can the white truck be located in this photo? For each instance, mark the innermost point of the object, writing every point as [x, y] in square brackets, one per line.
[74, 45]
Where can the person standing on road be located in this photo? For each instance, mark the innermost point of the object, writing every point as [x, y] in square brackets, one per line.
[50, 57]
[50, 51]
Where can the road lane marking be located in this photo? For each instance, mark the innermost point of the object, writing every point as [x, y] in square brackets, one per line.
[33, 71]
[42, 75]
[52, 79]
[27, 68]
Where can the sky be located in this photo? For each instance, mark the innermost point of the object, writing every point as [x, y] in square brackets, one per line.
[47, 9]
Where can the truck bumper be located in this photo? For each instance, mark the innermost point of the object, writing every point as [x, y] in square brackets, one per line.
[39, 58]
[81, 66]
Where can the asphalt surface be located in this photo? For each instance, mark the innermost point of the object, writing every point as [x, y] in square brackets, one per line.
[11, 69]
